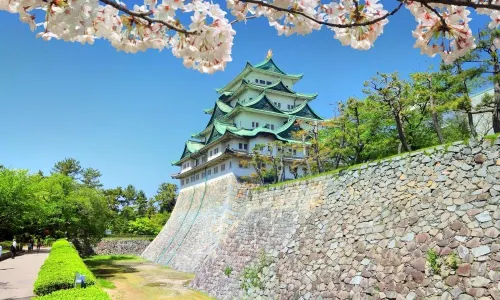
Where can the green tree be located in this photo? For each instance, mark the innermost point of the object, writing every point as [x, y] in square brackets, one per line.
[141, 204]
[91, 178]
[68, 167]
[487, 56]
[391, 91]
[113, 197]
[18, 204]
[463, 80]
[166, 196]
[143, 226]
[129, 196]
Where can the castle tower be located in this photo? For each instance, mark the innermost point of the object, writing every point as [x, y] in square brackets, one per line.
[257, 107]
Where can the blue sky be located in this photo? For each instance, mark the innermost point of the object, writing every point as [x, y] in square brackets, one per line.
[129, 115]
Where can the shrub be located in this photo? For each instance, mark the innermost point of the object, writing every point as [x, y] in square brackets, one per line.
[252, 275]
[433, 259]
[93, 293]
[453, 261]
[143, 226]
[228, 270]
[59, 270]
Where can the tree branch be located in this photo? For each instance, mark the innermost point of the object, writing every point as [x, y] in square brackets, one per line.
[296, 12]
[482, 111]
[466, 3]
[443, 21]
[145, 16]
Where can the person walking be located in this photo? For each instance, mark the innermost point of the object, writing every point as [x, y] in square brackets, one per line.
[38, 245]
[13, 248]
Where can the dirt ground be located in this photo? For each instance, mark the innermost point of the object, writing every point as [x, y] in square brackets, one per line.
[135, 279]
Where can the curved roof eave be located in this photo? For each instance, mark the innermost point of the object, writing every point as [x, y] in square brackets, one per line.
[304, 106]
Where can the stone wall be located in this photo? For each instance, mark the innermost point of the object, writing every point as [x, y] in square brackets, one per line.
[365, 233]
[123, 246]
[201, 218]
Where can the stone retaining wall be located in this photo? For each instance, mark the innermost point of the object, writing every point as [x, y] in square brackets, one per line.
[365, 233]
[201, 218]
[122, 246]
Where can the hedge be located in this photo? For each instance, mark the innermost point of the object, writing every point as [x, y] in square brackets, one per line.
[59, 270]
[90, 293]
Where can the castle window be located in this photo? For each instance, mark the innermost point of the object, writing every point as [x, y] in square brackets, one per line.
[262, 81]
[192, 178]
[222, 167]
[277, 104]
[197, 176]
[209, 172]
[216, 169]
[255, 124]
[268, 82]
[230, 164]
[216, 150]
[256, 81]
[187, 180]
[210, 153]
[204, 159]
[182, 181]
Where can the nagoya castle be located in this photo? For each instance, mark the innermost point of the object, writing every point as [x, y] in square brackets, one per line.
[258, 106]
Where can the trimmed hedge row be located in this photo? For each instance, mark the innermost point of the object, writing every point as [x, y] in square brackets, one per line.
[90, 293]
[59, 270]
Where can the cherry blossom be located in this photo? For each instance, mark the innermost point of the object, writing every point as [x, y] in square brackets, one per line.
[447, 33]
[351, 12]
[204, 37]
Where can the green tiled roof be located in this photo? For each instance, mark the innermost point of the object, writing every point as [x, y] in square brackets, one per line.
[220, 129]
[278, 87]
[191, 147]
[262, 104]
[269, 65]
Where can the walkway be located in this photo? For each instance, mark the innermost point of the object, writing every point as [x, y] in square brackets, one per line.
[18, 275]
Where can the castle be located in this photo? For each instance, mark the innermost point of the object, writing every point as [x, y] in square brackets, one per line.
[257, 107]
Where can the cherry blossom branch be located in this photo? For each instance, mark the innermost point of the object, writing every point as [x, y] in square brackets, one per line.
[145, 16]
[296, 12]
[467, 3]
[443, 21]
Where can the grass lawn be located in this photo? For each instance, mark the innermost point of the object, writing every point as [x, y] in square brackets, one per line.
[127, 277]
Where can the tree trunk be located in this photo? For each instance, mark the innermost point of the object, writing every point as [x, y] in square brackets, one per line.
[316, 148]
[401, 133]
[496, 104]
[337, 160]
[472, 128]
[435, 121]
[306, 158]
[359, 145]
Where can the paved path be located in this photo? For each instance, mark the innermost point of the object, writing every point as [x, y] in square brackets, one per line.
[18, 275]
